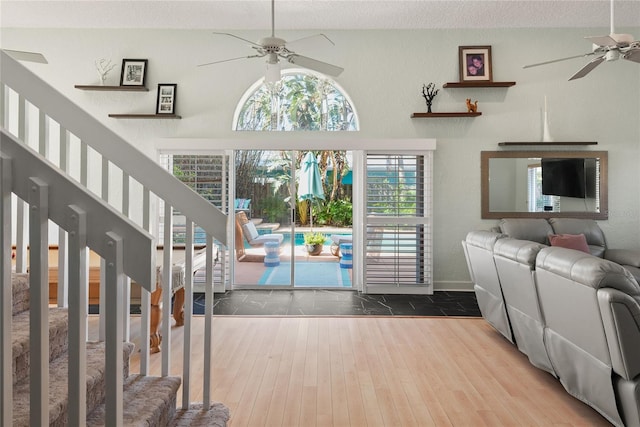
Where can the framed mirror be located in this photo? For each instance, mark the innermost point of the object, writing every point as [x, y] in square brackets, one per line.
[544, 184]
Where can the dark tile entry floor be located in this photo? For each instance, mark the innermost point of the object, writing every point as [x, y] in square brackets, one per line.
[309, 302]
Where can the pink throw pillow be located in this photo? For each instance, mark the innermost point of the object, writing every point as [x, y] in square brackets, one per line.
[570, 241]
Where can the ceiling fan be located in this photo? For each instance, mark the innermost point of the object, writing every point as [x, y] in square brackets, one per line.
[275, 48]
[608, 48]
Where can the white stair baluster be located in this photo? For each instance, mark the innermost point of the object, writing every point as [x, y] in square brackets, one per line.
[78, 283]
[6, 303]
[39, 302]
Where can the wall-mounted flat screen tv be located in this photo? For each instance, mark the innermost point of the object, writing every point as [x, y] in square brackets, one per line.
[564, 177]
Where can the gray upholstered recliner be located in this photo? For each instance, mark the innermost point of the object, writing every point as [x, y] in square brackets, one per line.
[537, 230]
[628, 258]
[478, 250]
[591, 309]
[515, 261]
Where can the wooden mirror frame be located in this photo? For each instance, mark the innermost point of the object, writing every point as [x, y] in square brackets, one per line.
[484, 183]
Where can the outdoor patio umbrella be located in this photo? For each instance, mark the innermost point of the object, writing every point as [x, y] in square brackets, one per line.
[309, 182]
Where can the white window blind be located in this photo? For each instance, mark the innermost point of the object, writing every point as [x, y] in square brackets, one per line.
[398, 221]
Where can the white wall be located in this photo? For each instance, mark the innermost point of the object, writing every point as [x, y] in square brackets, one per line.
[384, 73]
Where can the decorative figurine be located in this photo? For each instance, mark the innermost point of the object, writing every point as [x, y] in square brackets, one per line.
[472, 108]
[429, 93]
[103, 66]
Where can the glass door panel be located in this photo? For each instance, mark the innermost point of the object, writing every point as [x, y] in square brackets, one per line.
[262, 218]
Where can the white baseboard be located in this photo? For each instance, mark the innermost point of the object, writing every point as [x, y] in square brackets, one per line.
[453, 286]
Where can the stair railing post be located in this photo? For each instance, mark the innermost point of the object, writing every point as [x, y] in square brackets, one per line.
[208, 324]
[6, 303]
[63, 260]
[39, 301]
[126, 321]
[167, 287]
[188, 314]
[21, 242]
[101, 300]
[145, 296]
[78, 284]
[114, 326]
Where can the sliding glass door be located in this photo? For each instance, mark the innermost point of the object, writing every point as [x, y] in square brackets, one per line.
[290, 216]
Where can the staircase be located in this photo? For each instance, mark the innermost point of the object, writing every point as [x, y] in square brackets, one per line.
[152, 400]
[58, 377]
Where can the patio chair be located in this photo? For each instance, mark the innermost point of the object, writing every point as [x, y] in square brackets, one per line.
[336, 239]
[246, 230]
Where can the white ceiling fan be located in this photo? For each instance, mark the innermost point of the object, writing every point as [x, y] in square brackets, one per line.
[608, 48]
[275, 48]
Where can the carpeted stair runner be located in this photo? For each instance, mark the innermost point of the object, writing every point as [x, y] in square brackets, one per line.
[58, 387]
[216, 416]
[148, 401]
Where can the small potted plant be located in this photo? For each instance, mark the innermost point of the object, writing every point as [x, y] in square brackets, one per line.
[314, 242]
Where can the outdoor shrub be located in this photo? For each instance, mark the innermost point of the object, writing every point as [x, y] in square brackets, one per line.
[338, 213]
[314, 238]
[272, 207]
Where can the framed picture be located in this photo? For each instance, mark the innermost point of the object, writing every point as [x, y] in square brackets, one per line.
[475, 63]
[166, 98]
[134, 72]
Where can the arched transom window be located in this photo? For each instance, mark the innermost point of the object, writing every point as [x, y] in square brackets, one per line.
[301, 100]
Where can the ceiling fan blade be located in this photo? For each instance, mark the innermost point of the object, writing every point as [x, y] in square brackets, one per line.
[314, 64]
[632, 55]
[237, 37]
[230, 59]
[588, 68]
[21, 55]
[320, 36]
[559, 60]
[603, 40]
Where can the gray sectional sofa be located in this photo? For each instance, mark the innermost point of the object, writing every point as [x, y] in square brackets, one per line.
[574, 314]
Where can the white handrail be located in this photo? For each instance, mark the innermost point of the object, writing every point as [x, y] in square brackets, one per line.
[112, 146]
[102, 218]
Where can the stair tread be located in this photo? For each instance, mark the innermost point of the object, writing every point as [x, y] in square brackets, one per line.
[216, 416]
[58, 386]
[149, 401]
[19, 292]
[58, 342]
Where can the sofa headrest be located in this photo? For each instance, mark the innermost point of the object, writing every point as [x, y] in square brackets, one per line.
[483, 239]
[591, 230]
[587, 270]
[522, 251]
[534, 229]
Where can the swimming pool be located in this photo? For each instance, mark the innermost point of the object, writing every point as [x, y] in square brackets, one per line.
[298, 237]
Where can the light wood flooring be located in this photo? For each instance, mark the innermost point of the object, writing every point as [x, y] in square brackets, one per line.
[373, 371]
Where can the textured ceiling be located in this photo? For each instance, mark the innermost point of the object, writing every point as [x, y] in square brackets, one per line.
[317, 14]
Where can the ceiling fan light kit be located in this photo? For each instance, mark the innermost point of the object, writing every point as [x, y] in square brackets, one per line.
[275, 48]
[610, 48]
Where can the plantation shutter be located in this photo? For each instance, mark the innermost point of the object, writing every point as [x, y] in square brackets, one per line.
[206, 175]
[398, 233]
